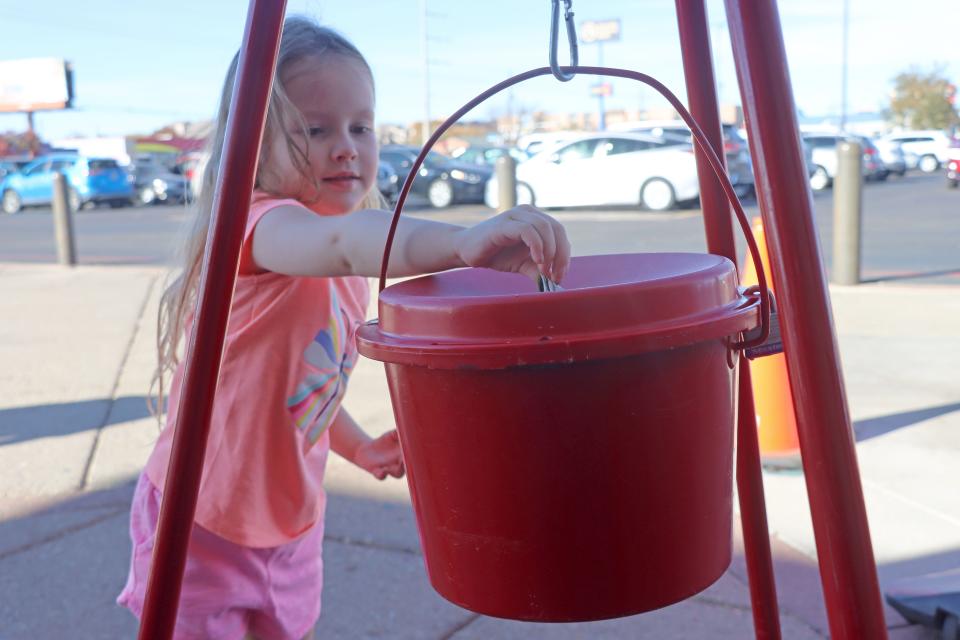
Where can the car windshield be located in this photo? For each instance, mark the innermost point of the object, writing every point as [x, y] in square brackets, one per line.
[435, 159]
[101, 164]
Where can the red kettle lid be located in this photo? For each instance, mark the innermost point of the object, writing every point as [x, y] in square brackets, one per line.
[611, 305]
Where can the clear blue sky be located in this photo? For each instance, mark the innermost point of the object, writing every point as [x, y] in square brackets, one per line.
[140, 65]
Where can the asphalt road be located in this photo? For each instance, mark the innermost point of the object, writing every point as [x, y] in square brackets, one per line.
[911, 231]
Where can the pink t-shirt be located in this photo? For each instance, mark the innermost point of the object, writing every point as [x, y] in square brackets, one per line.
[288, 354]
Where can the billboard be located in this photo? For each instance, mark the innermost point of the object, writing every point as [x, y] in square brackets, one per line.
[599, 31]
[35, 84]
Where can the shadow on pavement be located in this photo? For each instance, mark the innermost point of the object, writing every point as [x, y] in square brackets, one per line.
[919, 275]
[19, 424]
[76, 553]
[874, 427]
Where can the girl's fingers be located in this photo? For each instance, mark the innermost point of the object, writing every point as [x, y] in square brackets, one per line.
[513, 230]
[544, 227]
[561, 261]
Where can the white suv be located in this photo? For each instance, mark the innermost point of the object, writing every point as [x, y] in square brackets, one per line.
[924, 150]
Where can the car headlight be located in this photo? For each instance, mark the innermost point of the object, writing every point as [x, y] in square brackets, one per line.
[463, 176]
[159, 184]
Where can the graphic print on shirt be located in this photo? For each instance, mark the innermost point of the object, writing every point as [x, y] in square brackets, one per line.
[329, 364]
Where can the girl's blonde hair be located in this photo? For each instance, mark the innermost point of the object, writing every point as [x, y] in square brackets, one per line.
[300, 38]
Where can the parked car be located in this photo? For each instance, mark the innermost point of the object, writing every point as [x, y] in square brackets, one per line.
[824, 148]
[154, 183]
[953, 165]
[12, 164]
[607, 169]
[892, 156]
[533, 143]
[874, 168]
[488, 155]
[739, 164]
[442, 181]
[924, 150]
[6, 168]
[388, 182]
[89, 180]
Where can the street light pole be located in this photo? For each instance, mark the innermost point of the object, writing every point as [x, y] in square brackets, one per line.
[603, 111]
[843, 66]
[425, 133]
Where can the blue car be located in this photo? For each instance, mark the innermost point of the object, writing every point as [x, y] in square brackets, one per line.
[89, 180]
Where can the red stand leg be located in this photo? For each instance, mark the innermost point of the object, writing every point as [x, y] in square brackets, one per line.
[847, 567]
[702, 98]
[248, 109]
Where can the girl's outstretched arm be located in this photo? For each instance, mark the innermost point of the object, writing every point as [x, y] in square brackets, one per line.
[295, 241]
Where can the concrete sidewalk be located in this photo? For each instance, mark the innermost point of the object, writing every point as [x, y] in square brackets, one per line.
[77, 353]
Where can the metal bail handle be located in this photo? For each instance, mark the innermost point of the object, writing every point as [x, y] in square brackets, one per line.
[699, 137]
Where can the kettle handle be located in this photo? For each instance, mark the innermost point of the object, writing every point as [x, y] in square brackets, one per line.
[698, 136]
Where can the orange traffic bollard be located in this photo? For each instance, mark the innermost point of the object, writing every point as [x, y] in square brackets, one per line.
[772, 400]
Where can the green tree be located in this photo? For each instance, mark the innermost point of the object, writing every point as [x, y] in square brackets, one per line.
[923, 100]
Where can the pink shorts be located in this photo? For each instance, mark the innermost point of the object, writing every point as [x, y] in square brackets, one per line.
[230, 590]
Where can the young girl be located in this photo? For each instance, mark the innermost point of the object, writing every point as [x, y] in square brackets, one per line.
[313, 235]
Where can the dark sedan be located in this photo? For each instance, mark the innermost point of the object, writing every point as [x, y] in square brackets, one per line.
[154, 184]
[441, 181]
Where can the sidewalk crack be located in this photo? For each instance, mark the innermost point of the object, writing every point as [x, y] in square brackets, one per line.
[88, 466]
[62, 533]
[367, 544]
[460, 626]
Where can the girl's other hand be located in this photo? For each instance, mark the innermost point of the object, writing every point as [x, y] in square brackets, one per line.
[381, 457]
[522, 240]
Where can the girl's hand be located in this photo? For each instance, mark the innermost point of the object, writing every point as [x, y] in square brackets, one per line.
[381, 457]
[522, 240]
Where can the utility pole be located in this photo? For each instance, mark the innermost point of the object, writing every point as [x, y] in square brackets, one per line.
[603, 110]
[426, 73]
[843, 66]
[32, 136]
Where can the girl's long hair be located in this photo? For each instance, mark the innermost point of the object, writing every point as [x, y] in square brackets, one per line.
[301, 38]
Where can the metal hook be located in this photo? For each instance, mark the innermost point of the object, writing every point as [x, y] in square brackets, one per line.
[571, 37]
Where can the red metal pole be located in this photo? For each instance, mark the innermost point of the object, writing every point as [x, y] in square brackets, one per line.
[702, 98]
[847, 568]
[248, 109]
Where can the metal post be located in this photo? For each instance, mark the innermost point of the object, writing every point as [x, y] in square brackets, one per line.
[847, 192]
[847, 568]
[63, 222]
[702, 99]
[506, 169]
[248, 108]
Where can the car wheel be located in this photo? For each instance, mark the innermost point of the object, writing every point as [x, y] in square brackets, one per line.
[74, 200]
[928, 164]
[952, 184]
[820, 179]
[146, 196]
[119, 204]
[525, 194]
[440, 194]
[11, 201]
[657, 195]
